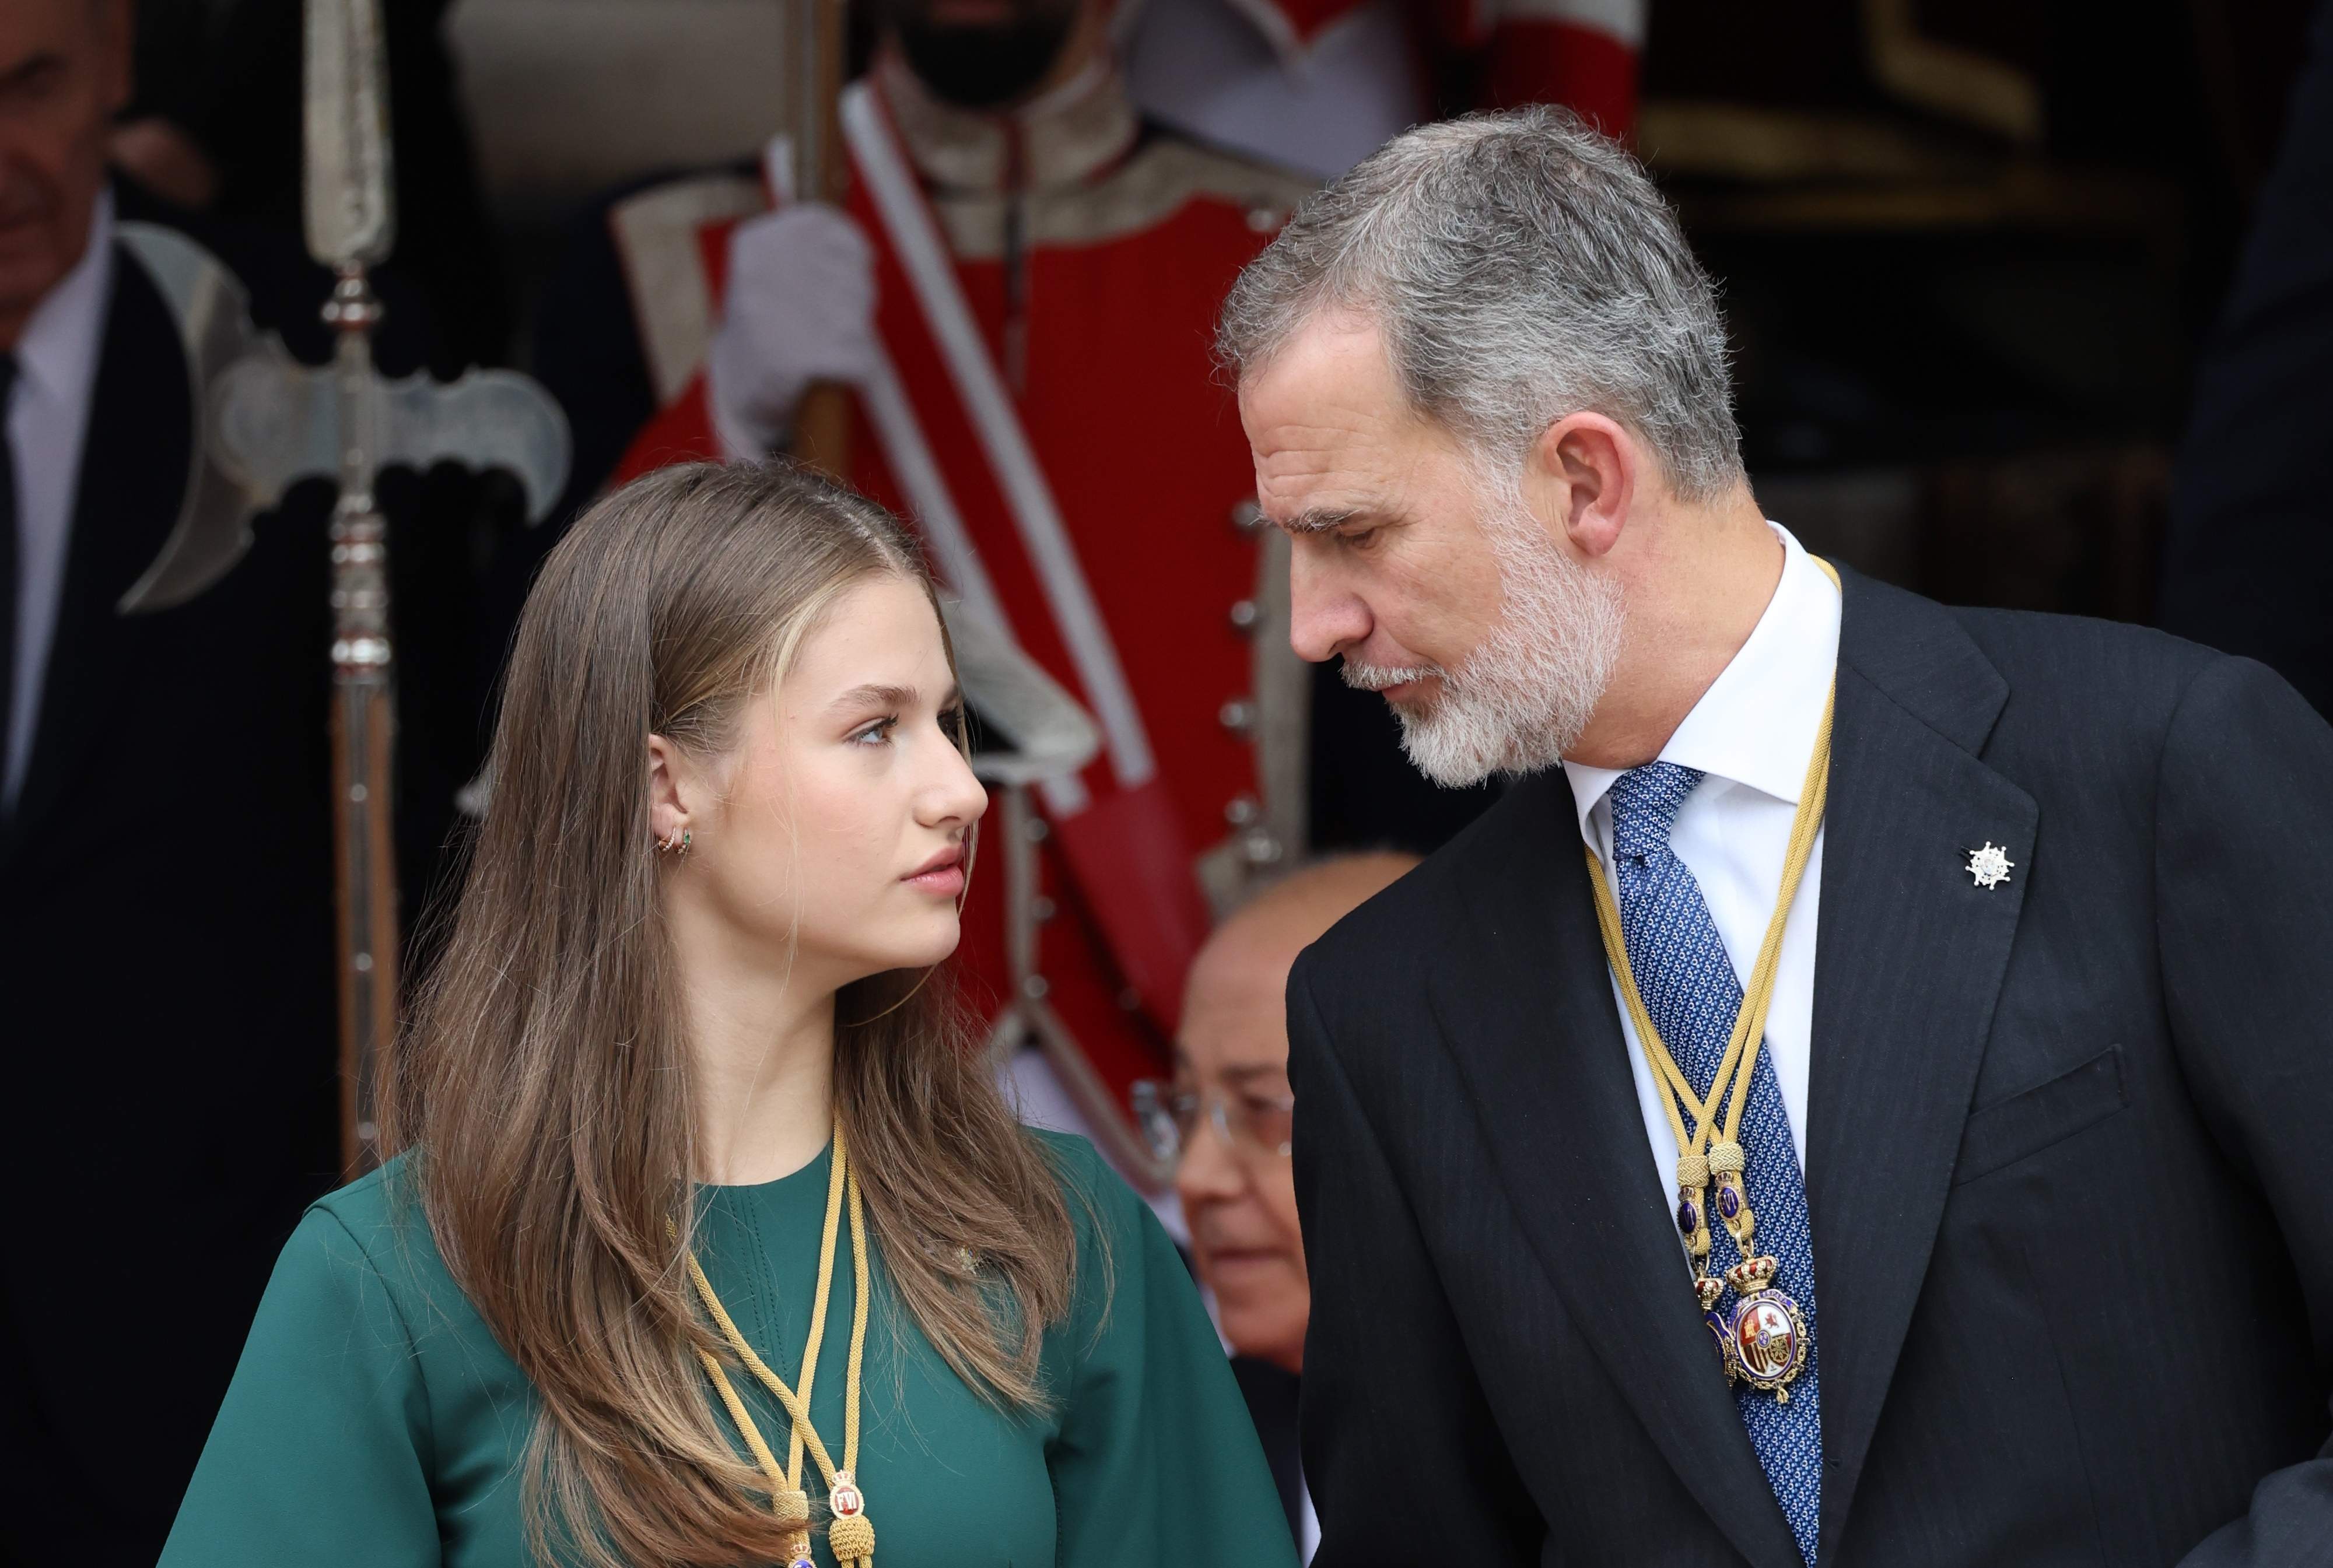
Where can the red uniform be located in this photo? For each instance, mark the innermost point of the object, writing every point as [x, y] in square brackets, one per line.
[1047, 286]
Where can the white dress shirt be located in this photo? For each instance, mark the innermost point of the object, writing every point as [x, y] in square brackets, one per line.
[48, 419]
[1751, 734]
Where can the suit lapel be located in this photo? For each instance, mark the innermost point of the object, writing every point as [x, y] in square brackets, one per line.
[132, 473]
[1908, 965]
[1535, 1035]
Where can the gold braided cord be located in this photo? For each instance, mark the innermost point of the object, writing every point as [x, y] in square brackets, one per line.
[1607, 922]
[852, 1539]
[857, 1324]
[837, 1178]
[1741, 1058]
[767, 1461]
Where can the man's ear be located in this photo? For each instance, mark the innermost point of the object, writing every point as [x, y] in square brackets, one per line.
[1581, 478]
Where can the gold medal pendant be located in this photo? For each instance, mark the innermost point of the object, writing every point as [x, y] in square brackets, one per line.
[1767, 1334]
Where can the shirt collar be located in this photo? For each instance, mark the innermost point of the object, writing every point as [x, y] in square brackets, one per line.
[1757, 722]
[56, 357]
[1071, 134]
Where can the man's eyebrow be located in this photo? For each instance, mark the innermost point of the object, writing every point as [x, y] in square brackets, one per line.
[1318, 520]
[1247, 1072]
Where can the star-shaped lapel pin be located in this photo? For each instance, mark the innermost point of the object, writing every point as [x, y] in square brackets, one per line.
[1991, 865]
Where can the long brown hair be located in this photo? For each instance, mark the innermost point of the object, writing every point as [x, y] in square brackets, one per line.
[544, 1087]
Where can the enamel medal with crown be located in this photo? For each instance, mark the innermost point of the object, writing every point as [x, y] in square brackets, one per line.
[1766, 1338]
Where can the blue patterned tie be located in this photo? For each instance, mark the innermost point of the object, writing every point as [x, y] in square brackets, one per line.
[1690, 990]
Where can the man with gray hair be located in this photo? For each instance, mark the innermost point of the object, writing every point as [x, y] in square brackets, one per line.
[1860, 1097]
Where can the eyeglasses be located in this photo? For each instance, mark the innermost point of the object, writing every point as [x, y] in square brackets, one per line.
[1249, 1124]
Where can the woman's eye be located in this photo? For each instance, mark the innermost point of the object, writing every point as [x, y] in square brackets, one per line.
[876, 733]
[952, 724]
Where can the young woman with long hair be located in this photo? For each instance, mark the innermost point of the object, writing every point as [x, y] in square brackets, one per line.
[711, 1240]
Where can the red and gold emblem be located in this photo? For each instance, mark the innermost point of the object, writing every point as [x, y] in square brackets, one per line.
[1766, 1339]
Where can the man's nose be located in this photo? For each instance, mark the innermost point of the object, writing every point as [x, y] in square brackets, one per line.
[1208, 1168]
[1324, 616]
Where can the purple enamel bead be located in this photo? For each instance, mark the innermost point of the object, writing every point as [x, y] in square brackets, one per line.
[1688, 1218]
[1729, 1202]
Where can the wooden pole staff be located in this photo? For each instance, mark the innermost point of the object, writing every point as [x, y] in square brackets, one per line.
[350, 226]
[821, 435]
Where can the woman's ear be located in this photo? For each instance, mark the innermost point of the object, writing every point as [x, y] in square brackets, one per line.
[668, 814]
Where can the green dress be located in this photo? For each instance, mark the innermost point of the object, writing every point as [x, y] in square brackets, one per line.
[374, 1420]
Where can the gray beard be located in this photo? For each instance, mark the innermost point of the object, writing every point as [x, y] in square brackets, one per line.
[1527, 692]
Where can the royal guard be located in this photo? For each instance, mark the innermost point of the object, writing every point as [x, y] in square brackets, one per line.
[1020, 289]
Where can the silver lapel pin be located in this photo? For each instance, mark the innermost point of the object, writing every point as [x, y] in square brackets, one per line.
[1990, 866]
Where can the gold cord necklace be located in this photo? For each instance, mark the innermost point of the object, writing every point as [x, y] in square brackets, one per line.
[1765, 1341]
[851, 1535]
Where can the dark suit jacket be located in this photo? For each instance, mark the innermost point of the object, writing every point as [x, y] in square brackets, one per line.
[167, 963]
[2066, 1137]
[1270, 1393]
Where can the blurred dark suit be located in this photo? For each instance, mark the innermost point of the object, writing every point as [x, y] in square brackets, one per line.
[167, 951]
[1271, 1392]
[2247, 567]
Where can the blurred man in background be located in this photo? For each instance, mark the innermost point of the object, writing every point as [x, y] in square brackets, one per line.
[165, 882]
[164, 879]
[1226, 1122]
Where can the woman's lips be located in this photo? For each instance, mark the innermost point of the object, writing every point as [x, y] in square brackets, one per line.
[941, 876]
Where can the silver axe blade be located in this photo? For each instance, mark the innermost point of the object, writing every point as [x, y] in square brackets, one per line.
[213, 312]
[264, 421]
[276, 422]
